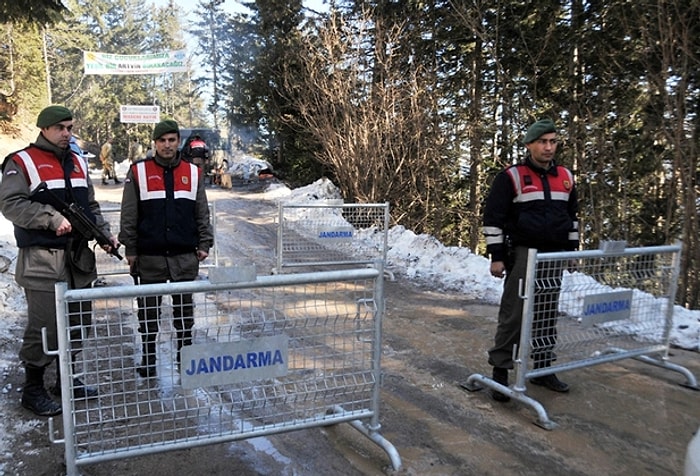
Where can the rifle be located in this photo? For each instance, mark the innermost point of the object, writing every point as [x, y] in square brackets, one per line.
[79, 221]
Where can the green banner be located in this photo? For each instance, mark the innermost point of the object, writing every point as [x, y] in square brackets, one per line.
[106, 63]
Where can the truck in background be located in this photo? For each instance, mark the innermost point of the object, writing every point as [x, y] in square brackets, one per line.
[217, 144]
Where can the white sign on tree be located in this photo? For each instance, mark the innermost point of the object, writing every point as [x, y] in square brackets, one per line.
[139, 114]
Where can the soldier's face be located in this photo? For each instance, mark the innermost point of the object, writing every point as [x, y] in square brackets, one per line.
[166, 145]
[542, 150]
[59, 134]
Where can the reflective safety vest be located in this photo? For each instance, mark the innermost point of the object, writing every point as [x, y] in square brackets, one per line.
[167, 204]
[532, 207]
[541, 201]
[39, 165]
[197, 148]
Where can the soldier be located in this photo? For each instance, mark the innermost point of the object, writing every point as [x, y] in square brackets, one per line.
[50, 250]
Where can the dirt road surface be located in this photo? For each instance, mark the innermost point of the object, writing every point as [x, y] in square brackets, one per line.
[622, 418]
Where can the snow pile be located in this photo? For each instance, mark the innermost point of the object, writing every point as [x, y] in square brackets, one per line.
[424, 259]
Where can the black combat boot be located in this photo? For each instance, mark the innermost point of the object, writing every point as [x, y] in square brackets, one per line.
[80, 390]
[148, 359]
[500, 376]
[551, 382]
[34, 395]
[548, 381]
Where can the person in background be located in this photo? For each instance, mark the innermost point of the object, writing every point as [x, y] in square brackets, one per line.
[108, 171]
[196, 150]
[532, 204]
[219, 173]
[135, 150]
[50, 250]
[166, 231]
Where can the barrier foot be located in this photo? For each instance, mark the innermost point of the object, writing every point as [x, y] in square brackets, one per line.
[690, 380]
[374, 435]
[53, 438]
[477, 382]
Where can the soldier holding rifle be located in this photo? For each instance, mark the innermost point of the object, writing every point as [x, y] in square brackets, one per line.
[51, 248]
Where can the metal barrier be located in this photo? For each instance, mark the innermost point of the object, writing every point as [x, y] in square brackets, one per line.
[271, 355]
[331, 233]
[591, 307]
[108, 265]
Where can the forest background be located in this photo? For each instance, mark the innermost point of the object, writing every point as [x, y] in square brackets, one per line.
[418, 104]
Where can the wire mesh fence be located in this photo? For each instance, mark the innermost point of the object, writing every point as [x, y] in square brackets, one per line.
[331, 233]
[584, 307]
[272, 355]
[591, 307]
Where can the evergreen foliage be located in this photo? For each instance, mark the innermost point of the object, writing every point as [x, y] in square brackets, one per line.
[120, 27]
[418, 104]
[23, 90]
[37, 12]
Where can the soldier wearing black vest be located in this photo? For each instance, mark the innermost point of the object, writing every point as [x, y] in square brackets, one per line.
[531, 205]
[166, 231]
[50, 250]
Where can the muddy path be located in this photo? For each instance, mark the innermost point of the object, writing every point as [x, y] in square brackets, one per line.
[619, 418]
[622, 418]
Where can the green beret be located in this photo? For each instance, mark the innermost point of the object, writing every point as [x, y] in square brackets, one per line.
[53, 115]
[543, 126]
[163, 127]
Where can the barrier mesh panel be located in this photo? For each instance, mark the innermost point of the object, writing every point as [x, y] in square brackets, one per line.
[331, 234]
[607, 304]
[328, 331]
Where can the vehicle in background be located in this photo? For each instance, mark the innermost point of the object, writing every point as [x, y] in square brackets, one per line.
[218, 148]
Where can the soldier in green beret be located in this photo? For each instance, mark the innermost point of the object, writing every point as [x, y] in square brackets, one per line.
[50, 249]
[532, 204]
[166, 231]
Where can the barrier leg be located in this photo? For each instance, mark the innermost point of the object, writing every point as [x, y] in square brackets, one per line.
[477, 382]
[691, 382]
[374, 435]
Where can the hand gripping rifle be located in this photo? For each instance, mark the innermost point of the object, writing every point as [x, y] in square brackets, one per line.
[79, 221]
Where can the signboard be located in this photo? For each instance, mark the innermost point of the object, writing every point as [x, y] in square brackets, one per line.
[336, 233]
[205, 365]
[139, 114]
[606, 307]
[157, 63]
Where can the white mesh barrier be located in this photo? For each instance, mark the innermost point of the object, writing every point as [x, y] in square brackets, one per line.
[268, 356]
[591, 307]
[331, 233]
